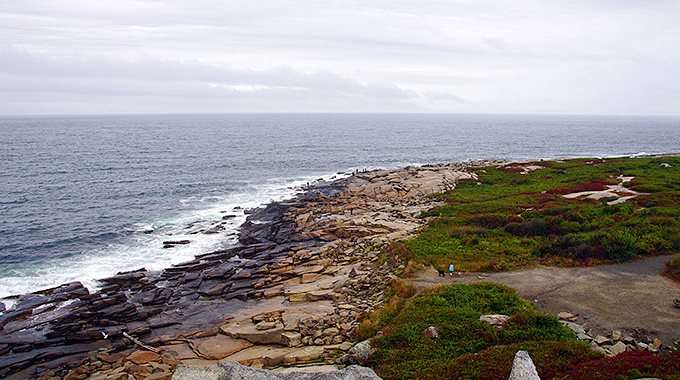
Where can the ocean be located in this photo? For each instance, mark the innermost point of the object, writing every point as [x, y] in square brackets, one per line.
[84, 197]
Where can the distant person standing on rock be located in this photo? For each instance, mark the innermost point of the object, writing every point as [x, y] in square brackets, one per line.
[451, 270]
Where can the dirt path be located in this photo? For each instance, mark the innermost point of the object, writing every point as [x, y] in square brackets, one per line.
[612, 297]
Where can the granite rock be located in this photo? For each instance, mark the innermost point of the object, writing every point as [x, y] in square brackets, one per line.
[523, 367]
[236, 371]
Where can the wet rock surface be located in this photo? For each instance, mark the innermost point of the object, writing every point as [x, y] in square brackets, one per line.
[288, 294]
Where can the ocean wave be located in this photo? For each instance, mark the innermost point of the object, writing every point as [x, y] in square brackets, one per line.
[208, 223]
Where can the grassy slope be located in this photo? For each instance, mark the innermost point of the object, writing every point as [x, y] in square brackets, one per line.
[508, 219]
[470, 349]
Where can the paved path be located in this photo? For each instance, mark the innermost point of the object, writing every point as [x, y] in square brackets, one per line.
[625, 296]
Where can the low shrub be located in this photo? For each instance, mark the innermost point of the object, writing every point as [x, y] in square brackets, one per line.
[595, 185]
[672, 269]
[400, 288]
[470, 349]
[532, 325]
[487, 220]
[483, 223]
[371, 323]
[619, 245]
[454, 309]
[552, 360]
[531, 227]
[629, 365]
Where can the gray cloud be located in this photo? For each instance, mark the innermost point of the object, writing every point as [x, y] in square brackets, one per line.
[441, 56]
[27, 76]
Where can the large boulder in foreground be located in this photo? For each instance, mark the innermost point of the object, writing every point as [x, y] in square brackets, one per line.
[236, 371]
[523, 367]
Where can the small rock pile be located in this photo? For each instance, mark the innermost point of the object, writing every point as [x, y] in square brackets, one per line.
[615, 342]
[127, 365]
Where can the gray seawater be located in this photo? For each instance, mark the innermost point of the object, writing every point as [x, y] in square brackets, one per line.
[84, 197]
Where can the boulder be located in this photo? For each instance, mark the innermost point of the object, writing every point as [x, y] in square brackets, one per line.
[264, 325]
[578, 329]
[291, 339]
[567, 316]
[249, 332]
[431, 332]
[600, 340]
[361, 351]
[618, 348]
[523, 367]
[495, 320]
[292, 325]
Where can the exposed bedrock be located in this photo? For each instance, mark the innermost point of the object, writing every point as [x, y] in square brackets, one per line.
[310, 264]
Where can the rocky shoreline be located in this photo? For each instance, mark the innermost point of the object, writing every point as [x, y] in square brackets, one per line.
[289, 294]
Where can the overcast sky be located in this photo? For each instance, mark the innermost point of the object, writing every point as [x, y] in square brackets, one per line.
[457, 56]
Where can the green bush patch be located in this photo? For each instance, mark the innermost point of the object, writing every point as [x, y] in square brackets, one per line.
[470, 349]
[510, 218]
[454, 309]
[672, 269]
[629, 365]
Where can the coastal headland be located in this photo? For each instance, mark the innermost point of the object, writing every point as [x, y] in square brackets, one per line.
[292, 293]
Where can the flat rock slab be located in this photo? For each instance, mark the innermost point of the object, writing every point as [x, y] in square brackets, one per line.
[236, 371]
[249, 332]
[618, 348]
[308, 269]
[221, 346]
[267, 355]
[303, 355]
[142, 357]
[180, 351]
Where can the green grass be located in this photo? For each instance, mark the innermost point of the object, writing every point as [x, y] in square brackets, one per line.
[467, 347]
[506, 219]
[470, 349]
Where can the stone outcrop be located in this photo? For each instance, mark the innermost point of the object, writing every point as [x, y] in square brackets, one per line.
[431, 332]
[289, 294]
[614, 342]
[236, 371]
[523, 367]
[320, 251]
[494, 320]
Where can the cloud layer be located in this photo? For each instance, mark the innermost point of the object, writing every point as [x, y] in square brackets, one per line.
[592, 57]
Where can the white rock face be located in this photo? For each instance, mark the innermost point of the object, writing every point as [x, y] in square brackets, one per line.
[495, 320]
[236, 371]
[523, 367]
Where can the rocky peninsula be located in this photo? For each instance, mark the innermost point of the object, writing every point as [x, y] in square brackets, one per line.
[289, 296]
